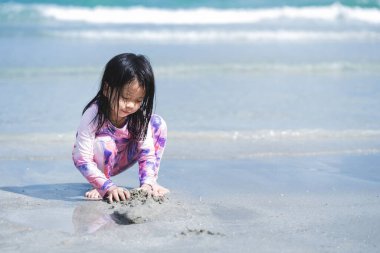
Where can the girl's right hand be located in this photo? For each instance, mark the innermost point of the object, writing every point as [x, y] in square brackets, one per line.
[155, 189]
[117, 194]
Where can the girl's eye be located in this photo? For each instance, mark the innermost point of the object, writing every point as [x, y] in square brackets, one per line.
[128, 99]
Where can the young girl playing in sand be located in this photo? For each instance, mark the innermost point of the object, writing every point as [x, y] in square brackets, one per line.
[118, 129]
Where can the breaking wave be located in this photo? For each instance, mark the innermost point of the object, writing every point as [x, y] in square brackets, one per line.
[194, 16]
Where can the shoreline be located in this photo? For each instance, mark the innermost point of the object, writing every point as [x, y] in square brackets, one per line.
[313, 204]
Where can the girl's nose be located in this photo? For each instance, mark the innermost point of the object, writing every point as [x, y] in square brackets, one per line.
[130, 104]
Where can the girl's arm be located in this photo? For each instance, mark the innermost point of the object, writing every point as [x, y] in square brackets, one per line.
[83, 153]
[147, 160]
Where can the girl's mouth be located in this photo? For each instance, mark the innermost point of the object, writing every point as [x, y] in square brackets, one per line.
[125, 112]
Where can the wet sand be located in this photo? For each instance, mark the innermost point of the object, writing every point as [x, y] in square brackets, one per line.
[304, 204]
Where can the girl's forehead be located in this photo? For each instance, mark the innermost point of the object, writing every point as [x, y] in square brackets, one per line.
[133, 89]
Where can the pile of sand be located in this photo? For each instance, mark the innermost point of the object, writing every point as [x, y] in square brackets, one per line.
[140, 208]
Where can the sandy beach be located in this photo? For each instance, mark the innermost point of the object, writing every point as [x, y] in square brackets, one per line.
[308, 204]
[273, 114]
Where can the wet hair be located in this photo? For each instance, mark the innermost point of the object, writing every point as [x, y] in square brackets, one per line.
[125, 69]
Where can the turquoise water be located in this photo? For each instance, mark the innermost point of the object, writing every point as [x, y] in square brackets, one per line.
[208, 3]
[264, 74]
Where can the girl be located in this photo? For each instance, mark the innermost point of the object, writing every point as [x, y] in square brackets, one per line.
[118, 129]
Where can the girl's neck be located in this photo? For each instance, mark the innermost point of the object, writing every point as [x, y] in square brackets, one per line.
[117, 123]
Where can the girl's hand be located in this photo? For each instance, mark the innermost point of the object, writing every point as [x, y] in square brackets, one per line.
[117, 194]
[155, 189]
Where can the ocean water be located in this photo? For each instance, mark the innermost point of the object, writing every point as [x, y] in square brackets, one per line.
[236, 79]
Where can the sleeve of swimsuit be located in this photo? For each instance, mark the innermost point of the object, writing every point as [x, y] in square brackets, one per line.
[147, 159]
[83, 153]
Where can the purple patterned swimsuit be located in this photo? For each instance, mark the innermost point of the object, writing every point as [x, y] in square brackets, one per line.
[98, 155]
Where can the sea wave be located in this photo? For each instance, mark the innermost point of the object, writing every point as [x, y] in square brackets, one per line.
[330, 67]
[206, 136]
[195, 16]
[139, 15]
[280, 135]
[188, 69]
[197, 36]
[213, 144]
[370, 151]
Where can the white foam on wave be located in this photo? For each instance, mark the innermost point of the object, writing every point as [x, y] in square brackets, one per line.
[318, 67]
[281, 135]
[140, 15]
[198, 16]
[189, 69]
[196, 36]
[256, 135]
[370, 151]
[214, 144]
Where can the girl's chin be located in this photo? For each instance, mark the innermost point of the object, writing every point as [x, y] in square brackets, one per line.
[123, 115]
[122, 118]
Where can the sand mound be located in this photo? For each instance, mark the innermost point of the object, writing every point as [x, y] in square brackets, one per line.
[140, 208]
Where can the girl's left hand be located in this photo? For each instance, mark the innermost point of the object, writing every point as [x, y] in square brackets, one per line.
[117, 194]
[155, 189]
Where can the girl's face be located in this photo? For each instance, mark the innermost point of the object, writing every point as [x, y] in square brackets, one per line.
[131, 98]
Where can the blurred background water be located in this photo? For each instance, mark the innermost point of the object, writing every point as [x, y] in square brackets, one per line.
[235, 79]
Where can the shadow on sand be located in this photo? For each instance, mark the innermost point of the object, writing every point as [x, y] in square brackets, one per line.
[65, 192]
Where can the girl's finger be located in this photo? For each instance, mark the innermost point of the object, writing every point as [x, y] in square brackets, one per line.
[162, 191]
[116, 196]
[127, 194]
[121, 194]
[110, 200]
[148, 188]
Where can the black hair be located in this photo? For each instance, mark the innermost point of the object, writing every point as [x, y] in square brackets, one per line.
[121, 70]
